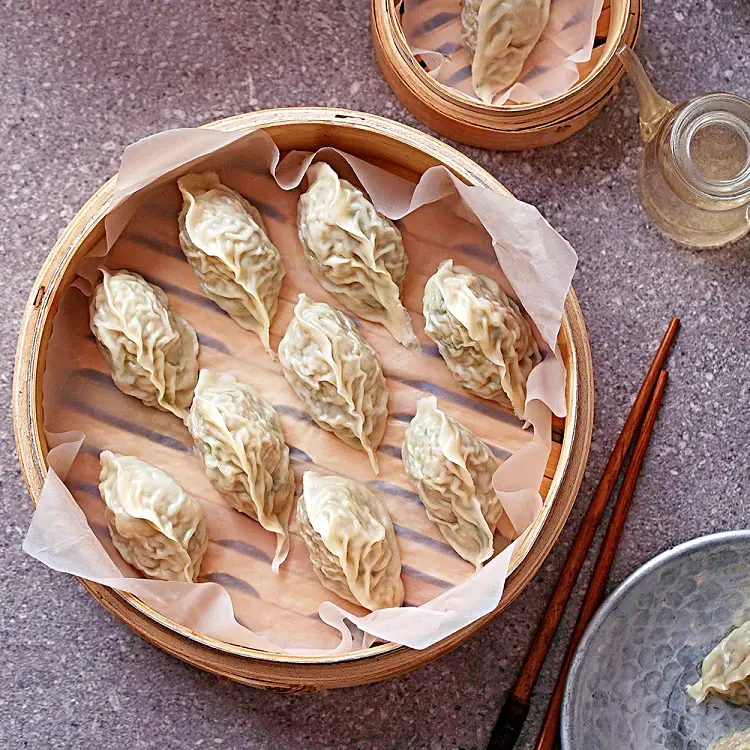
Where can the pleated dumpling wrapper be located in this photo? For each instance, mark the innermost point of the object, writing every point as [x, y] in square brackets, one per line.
[336, 375]
[238, 435]
[726, 670]
[354, 252]
[225, 242]
[154, 524]
[350, 538]
[481, 334]
[451, 469]
[737, 741]
[500, 35]
[151, 351]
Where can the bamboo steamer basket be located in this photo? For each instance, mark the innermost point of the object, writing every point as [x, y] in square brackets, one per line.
[408, 153]
[510, 127]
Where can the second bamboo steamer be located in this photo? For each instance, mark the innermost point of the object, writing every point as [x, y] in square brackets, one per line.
[510, 127]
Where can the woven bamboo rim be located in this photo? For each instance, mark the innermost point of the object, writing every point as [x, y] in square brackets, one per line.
[407, 151]
[510, 126]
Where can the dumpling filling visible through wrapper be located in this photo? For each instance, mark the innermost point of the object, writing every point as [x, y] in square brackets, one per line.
[239, 438]
[350, 538]
[151, 351]
[452, 469]
[292, 612]
[501, 51]
[354, 252]
[500, 35]
[337, 375]
[225, 242]
[481, 334]
[154, 524]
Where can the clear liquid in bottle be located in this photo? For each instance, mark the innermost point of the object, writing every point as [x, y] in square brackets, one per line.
[694, 180]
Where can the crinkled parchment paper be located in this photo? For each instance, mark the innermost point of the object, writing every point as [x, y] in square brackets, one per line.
[238, 599]
[433, 30]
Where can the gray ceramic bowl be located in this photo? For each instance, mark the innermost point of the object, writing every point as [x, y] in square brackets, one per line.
[626, 686]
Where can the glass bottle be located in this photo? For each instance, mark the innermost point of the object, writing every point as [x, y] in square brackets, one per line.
[694, 179]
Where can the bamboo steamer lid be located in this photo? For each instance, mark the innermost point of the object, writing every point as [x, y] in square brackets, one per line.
[403, 151]
[509, 127]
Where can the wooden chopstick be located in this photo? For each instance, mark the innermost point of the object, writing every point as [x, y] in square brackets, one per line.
[516, 707]
[595, 592]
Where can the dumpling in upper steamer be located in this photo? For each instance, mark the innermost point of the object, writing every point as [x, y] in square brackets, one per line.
[737, 741]
[481, 333]
[354, 252]
[224, 239]
[336, 374]
[451, 469]
[154, 524]
[500, 35]
[350, 538]
[151, 351]
[239, 438]
[726, 670]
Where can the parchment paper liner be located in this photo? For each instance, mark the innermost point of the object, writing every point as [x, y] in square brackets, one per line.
[442, 595]
[433, 30]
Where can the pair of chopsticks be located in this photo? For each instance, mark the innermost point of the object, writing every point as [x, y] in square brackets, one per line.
[514, 712]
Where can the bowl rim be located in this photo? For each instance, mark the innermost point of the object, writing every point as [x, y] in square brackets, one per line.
[388, 9]
[611, 603]
[91, 214]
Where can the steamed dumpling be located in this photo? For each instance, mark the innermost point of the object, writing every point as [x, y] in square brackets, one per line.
[336, 374]
[726, 670]
[237, 266]
[154, 524]
[500, 35]
[151, 351]
[481, 334]
[354, 252]
[736, 741]
[349, 536]
[451, 470]
[239, 438]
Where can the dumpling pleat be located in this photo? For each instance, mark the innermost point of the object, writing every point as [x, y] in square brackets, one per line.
[238, 435]
[500, 35]
[154, 524]
[481, 334]
[151, 351]
[451, 470]
[354, 252]
[336, 375]
[225, 242]
[350, 538]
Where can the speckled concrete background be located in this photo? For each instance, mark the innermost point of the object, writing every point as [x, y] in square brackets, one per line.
[81, 80]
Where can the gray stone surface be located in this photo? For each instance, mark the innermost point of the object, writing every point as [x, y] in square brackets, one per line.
[80, 80]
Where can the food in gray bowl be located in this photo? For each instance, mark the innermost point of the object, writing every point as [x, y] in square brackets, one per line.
[627, 686]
